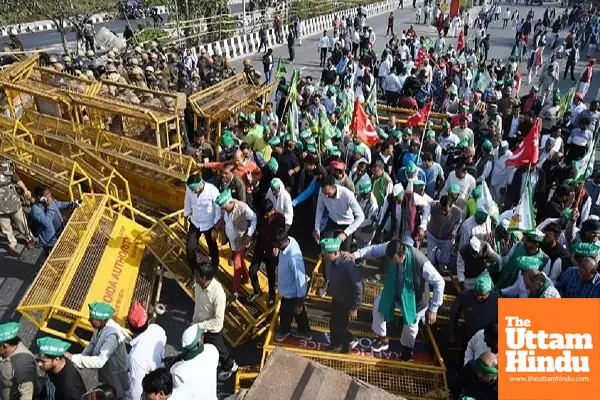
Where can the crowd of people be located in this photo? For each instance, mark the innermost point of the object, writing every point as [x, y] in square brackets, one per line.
[444, 193]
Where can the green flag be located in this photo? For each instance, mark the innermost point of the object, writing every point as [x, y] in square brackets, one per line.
[280, 69]
[325, 127]
[523, 218]
[293, 89]
[566, 100]
[292, 120]
[584, 167]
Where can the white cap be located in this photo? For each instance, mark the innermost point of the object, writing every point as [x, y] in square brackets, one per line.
[397, 190]
[191, 336]
[475, 244]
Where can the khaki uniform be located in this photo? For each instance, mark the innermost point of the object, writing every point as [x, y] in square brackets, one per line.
[10, 205]
[228, 72]
[219, 62]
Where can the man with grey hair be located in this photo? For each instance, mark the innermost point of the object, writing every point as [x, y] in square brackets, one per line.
[539, 285]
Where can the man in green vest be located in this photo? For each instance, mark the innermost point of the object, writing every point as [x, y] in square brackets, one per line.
[407, 284]
[106, 351]
[382, 183]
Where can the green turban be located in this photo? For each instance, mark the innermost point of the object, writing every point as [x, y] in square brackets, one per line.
[535, 236]
[9, 331]
[273, 165]
[101, 311]
[411, 168]
[300, 146]
[582, 249]
[430, 134]
[477, 192]
[275, 184]
[463, 143]
[274, 141]
[408, 131]
[481, 215]
[527, 263]
[227, 141]
[224, 198]
[311, 148]
[395, 133]
[454, 189]
[484, 284]
[305, 134]
[487, 145]
[365, 188]
[330, 245]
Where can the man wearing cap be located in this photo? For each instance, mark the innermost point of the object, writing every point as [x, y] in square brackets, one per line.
[201, 215]
[407, 283]
[485, 164]
[344, 212]
[582, 280]
[147, 349]
[381, 182]
[282, 201]
[240, 224]
[463, 132]
[500, 173]
[106, 350]
[292, 287]
[338, 171]
[18, 369]
[477, 307]
[577, 107]
[459, 179]
[529, 246]
[197, 366]
[586, 77]
[398, 217]
[589, 233]
[409, 174]
[67, 381]
[346, 291]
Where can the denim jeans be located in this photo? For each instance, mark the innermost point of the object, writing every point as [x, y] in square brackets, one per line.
[445, 249]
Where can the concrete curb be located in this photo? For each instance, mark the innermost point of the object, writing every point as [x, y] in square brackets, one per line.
[244, 45]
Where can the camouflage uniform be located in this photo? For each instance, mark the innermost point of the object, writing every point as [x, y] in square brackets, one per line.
[10, 205]
[228, 72]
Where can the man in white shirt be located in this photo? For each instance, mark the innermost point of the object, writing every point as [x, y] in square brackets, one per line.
[282, 201]
[209, 314]
[484, 341]
[197, 369]
[465, 181]
[500, 173]
[147, 349]
[344, 212]
[323, 48]
[159, 385]
[201, 214]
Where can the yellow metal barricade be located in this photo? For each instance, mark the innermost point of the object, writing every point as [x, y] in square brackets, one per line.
[99, 257]
[402, 114]
[413, 380]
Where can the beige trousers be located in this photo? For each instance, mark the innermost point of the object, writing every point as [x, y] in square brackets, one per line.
[18, 218]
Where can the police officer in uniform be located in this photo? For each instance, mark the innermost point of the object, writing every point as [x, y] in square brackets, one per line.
[10, 206]
[228, 71]
[252, 75]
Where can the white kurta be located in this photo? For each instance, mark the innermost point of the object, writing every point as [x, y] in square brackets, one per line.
[146, 355]
[198, 374]
[282, 202]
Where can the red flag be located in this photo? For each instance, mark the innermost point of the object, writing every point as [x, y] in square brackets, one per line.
[421, 55]
[461, 41]
[527, 152]
[360, 124]
[420, 117]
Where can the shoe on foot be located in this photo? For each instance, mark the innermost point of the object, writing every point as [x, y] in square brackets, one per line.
[224, 375]
[253, 297]
[407, 353]
[380, 344]
[281, 336]
[334, 349]
[299, 335]
[323, 289]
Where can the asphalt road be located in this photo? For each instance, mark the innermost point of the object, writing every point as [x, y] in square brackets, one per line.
[50, 38]
[17, 272]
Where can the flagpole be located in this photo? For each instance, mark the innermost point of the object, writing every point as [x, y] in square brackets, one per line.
[424, 127]
[580, 191]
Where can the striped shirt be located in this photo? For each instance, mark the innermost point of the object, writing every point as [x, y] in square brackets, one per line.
[571, 286]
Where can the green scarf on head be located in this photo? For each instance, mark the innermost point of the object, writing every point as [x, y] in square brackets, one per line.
[189, 354]
[511, 269]
[538, 293]
[479, 365]
[387, 302]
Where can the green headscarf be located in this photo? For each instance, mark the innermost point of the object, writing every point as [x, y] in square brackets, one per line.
[387, 302]
[484, 284]
[481, 366]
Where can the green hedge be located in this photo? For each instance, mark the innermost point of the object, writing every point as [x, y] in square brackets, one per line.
[306, 9]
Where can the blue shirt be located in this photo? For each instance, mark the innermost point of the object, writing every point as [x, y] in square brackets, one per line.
[571, 286]
[291, 275]
[49, 220]
[431, 176]
[402, 176]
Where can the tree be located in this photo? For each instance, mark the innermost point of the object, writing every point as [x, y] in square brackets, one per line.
[60, 12]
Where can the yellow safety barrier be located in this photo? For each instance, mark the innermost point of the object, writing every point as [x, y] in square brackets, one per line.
[99, 257]
[370, 291]
[243, 321]
[224, 100]
[414, 380]
[156, 177]
[19, 70]
[62, 80]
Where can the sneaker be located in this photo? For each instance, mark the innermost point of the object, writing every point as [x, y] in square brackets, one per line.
[253, 297]
[271, 301]
[299, 335]
[323, 289]
[334, 349]
[281, 336]
[380, 344]
[224, 375]
[353, 343]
